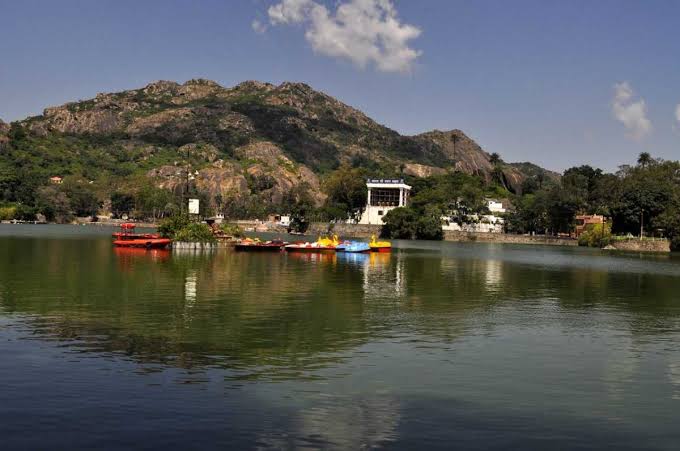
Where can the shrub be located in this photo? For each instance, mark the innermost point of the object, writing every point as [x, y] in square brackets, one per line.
[596, 235]
[7, 213]
[232, 230]
[195, 232]
[181, 228]
[169, 227]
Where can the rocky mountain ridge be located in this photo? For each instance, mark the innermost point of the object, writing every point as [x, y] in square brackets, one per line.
[253, 138]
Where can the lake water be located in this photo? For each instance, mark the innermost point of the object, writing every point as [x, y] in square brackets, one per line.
[438, 345]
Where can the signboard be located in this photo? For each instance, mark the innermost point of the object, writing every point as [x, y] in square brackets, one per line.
[193, 206]
[395, 181]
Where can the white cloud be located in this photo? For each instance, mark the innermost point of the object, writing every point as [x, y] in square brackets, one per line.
[291, 11]
[258, 26]
[362, 31]
[631, 113]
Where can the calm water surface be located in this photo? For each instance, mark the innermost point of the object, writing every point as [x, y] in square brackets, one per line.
[439, 345]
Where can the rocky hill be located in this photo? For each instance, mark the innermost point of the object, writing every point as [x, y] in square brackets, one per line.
[253, 136]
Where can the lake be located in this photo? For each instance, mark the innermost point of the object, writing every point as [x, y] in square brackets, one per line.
[438, 345]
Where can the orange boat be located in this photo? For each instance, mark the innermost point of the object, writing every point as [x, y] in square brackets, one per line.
[128, 238]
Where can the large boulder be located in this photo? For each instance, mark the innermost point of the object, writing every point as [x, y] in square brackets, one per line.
[421, 170]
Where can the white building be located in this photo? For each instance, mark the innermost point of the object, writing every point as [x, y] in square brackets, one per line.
[490, 223]
[383, 195]
[475, 223]
[495, 206]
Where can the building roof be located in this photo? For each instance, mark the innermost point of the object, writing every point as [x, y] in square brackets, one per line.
[387, 183]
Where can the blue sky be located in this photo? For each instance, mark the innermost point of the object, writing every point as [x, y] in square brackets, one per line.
[553, 82]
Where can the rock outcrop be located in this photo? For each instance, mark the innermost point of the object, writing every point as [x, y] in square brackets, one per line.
[254, 137]
[4, 130]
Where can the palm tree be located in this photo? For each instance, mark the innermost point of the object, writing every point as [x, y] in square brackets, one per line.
[496, 161]
[454, 138]
[644, 159]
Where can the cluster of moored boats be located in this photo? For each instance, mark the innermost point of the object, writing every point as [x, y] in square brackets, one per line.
[128, 238]
[322, 245]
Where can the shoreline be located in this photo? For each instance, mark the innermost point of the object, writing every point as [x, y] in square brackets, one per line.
[366, 231]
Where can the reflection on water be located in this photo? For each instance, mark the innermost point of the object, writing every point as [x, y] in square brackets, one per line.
[358, 423]
[354, 350]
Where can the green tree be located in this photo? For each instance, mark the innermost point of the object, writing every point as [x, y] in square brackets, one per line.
[400, 223]
[645, 192]
[54, 204]
[346, 190]
[644, 159]
[300, 205]
[122, 203]
[155, 203]
[83, 199]
[429, 227]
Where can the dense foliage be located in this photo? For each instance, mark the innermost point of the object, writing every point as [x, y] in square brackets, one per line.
[181, 227]
[596, 235]
[641, 200]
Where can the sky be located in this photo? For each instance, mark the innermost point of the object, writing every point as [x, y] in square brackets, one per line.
[557, 83]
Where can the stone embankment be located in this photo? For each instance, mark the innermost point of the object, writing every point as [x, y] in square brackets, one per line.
[194, 245]
[345, 230]
[635, 245]
[481, 237]
[366, 231]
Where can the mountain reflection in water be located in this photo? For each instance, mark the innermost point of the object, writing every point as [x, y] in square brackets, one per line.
[487, 345]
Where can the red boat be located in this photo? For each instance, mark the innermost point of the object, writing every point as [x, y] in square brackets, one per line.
[128, 238]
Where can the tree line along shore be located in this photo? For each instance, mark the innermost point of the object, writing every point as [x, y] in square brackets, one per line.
[640, 200]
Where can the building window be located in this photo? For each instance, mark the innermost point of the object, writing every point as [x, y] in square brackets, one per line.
[385, 197]
[380, 212]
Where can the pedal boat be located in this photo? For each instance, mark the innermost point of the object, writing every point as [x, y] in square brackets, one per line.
[379, 246]
[356, 247]
[316, 247]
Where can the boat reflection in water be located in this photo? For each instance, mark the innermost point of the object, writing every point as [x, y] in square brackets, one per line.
[313, 257]
[128, 256]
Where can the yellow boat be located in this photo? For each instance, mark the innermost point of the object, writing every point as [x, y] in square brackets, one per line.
[379, 246]
[328, 242]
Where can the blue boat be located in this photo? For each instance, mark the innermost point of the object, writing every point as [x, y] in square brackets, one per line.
[353, 247]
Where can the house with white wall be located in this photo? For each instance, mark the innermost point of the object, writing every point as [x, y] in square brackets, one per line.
[384, 195]
[479, 223]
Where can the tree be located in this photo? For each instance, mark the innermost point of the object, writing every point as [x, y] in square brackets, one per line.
[122, 203]
[530, 214]
[346, 189]
[497, 172]
[154, 202]
[83, 199]
[429, 227]
[644, 159]
[400, 223]
[53, 203]
[299, 203]
[645, 193]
